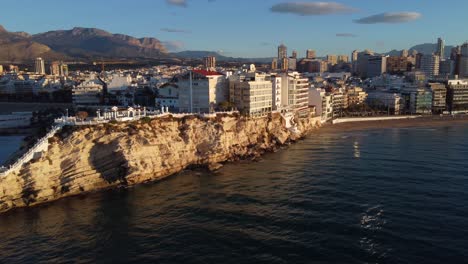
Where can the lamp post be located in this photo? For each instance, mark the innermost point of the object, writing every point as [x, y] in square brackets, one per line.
[191, 90]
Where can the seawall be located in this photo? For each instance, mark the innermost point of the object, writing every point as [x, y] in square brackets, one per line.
[369, 119]
[87, 159]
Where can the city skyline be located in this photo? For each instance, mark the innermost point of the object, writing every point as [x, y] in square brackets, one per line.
[255, 29]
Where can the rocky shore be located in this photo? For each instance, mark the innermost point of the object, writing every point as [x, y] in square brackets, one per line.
[87, 159]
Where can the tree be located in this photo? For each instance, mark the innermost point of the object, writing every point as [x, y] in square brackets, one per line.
[82, 115]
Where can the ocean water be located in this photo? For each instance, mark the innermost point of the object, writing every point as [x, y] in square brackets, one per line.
[8, 145]
[395, 195]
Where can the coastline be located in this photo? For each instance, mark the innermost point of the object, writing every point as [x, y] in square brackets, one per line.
[424, 121]
[91, 158]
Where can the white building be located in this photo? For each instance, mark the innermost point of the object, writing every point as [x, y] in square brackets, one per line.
[88, 92]
[168, 95]
[295, 92]
[252, 93]
[39, 66]
[392, 101]
[276, 92]
[201, 91]
[323, 103]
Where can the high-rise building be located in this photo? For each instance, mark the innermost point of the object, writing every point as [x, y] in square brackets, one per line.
[294, 54]
[332, 59]
[404, 53]
[39, 66]
[282, 52]
[376, 66]
[457, 95]
[210, 62]
[447, 68]
[274, 64]
[440, 48]
[354, 56]
[463, 61]
[398, 64]
[55, 68]
[284, 63]
[362, 63]
[294, 94]
[429, 64]
[343, 59]
[252, 93]
[310, 54]
[63, 69]
[292, 64]
[439, 97]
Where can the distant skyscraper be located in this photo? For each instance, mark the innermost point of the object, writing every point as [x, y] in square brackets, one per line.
[282, 56]
[463, 61]
[376, 66]
[282, 52]
[274, 64]
[332, 59]
[404, 53]
[55, 68]
[440, 48]
[354, 56]
[414, 53]
[39, 66]
[310, 54]
[63, 69]
[343, 59]
[294, 54]
[210, 62]
[429, 64]
[285, 64]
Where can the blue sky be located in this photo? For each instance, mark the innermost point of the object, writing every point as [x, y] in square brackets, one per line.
[249, 28]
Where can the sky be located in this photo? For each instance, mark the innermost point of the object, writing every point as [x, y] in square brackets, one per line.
[254, 28]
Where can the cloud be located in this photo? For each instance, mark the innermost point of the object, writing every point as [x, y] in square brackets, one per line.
[312, 8]
[181, 3]
[175, 30]
[391, 18]
[346, 35]
[173, 45]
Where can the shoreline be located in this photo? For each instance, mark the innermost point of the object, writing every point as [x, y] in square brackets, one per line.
[424, 121]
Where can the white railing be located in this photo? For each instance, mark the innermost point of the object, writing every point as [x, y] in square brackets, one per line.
[71, 121]
[29, 155]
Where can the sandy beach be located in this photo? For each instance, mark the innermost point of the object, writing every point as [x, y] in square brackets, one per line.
[427, 121]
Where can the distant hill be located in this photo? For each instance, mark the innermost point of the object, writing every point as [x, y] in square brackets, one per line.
[77, 43]
[427, 48]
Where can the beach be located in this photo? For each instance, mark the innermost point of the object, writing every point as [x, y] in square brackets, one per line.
[425, 121]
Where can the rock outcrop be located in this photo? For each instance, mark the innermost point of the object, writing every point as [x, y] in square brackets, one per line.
[85, 159]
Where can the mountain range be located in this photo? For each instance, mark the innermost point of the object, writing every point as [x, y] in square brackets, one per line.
[87, 44]
[77, 43]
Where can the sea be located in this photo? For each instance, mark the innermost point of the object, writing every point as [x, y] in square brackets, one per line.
[384, 195]
[9, 145]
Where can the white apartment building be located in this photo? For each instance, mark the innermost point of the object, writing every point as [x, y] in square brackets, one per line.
[201, 91]
[295, 92]
[323, 103]
[276, 92]
[393, 101]
[87, 93]
[252, 93]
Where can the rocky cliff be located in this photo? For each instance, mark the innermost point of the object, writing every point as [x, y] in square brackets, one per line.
[84, 159]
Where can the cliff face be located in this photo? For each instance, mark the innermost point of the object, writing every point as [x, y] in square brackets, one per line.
[83, 159]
